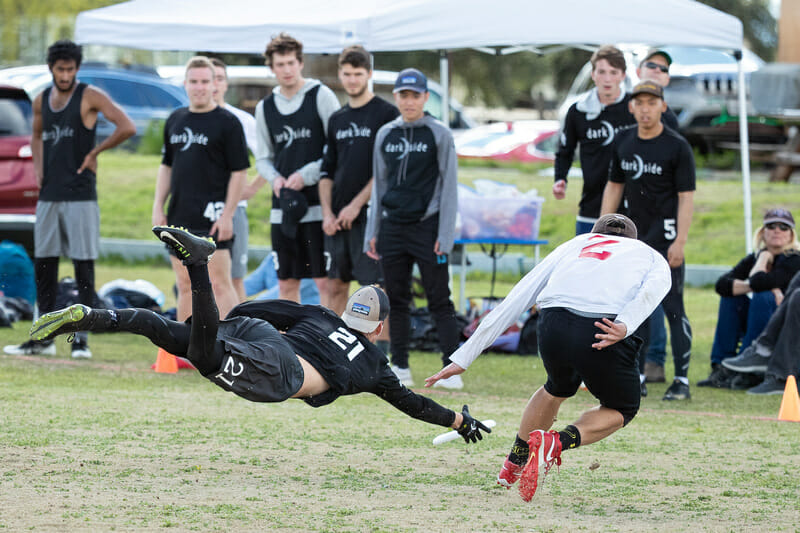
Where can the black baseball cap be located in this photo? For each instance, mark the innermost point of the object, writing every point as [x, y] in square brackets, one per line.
[293, 207]
[366, 308]
[648, 87]
[615, 224]
[657, 52]
[411, 79]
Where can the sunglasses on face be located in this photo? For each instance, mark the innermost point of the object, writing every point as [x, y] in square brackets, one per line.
[656, 66]
[778, 225]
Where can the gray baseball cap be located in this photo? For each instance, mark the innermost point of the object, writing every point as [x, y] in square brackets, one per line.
[366, 308]
[615, 224]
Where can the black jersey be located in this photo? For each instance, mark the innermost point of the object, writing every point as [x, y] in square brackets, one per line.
[347, 361]
[297, 139]
[348, 157]
[202, 149]
[66, 142]
[595, 138]
[654, 171]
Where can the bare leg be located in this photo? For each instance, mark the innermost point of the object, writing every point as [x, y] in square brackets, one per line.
[338, 292]
[289, 289]
[184, 304]
[540, 413]
[322, 286]
[219, 269]
[598, 423]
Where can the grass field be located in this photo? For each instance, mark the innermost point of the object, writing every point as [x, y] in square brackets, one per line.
[108, 445]
[716, 237]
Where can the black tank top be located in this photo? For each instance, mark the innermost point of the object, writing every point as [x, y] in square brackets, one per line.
[66, 141]
[297, 139]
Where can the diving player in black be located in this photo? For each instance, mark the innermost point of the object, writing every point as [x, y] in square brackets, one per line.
[318, 358]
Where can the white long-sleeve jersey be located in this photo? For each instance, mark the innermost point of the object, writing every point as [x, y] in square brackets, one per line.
[592, 274]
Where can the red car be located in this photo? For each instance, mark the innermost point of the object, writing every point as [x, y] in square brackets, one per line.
[521, 140]
[18, 189]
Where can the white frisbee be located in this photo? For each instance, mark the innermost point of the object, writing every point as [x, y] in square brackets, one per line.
[453, 435]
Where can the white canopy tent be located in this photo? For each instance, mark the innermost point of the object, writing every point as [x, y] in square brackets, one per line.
[505, 26]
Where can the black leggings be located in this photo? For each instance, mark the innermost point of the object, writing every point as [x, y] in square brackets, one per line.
[195, 339]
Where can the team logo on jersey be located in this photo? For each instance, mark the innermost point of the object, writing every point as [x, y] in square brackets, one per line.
[57, 133]
[404, 147]
[288, 135]
[187, 138]
[353, 131]
[639, 167]
[605, 131]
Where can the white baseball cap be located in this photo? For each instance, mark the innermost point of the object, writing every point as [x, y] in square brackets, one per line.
[366, 308]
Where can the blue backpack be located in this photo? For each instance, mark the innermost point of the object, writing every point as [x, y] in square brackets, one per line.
[17, 279]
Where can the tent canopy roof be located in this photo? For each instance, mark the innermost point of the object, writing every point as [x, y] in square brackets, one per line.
[325, 26]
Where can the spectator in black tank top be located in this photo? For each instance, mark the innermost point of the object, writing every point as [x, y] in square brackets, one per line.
[346, 177]
[65, 162]
[202, 173]
[291, 124]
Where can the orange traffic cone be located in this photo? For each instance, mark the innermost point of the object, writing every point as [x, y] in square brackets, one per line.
[166, 362]
[790, 405]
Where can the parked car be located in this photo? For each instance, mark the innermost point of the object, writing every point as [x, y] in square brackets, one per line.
[704, 84]
[247, 85]
[520, 140]
[140, 92]
[18, 189]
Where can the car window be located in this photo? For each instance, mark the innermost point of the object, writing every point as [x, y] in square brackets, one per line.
[158, 97]
[124, 93]
[549, 144]
[15, 115]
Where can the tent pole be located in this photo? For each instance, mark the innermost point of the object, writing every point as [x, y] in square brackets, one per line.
[744, 143]
[444, 75]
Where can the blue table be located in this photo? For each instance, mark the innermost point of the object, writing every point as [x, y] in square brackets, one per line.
[494, 242]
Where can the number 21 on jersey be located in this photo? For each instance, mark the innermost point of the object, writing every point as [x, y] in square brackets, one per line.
[345, 340]
[598, 247]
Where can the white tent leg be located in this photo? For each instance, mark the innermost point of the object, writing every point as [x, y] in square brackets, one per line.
[744, 143]
[444, 75]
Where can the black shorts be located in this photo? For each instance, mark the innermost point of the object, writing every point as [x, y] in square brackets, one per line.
[221, 245]
[302, 257]
[258, 363]
[348, 260]
[610, 374]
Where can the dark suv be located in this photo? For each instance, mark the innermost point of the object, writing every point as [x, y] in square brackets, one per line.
[18, 189]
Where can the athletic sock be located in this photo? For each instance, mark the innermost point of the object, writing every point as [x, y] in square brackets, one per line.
[519, 452]
[570, 437]
[682, 379]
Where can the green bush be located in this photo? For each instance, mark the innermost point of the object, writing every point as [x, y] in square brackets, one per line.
[153, 139]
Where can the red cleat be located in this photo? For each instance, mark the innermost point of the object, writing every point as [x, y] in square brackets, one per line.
[545, 449]
[509, 474]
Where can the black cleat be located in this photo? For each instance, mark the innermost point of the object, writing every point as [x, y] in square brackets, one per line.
[189, 248]
[73, 318]
[677, 391]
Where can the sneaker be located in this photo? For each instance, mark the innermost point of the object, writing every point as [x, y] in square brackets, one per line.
[719, 378]
[403, 374]
[770, 385]
[453, 382]
[747, 361]
[81, 350]
[509, 474]
[545, 449]
[677, 391]
[31, 347]
[654, 373]
[190, 248]
[745, 380]
[643, 388]
[69, 320]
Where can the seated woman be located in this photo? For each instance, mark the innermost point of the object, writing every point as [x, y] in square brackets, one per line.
[752, 290]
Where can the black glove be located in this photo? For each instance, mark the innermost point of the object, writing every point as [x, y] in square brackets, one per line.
[470, 429]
